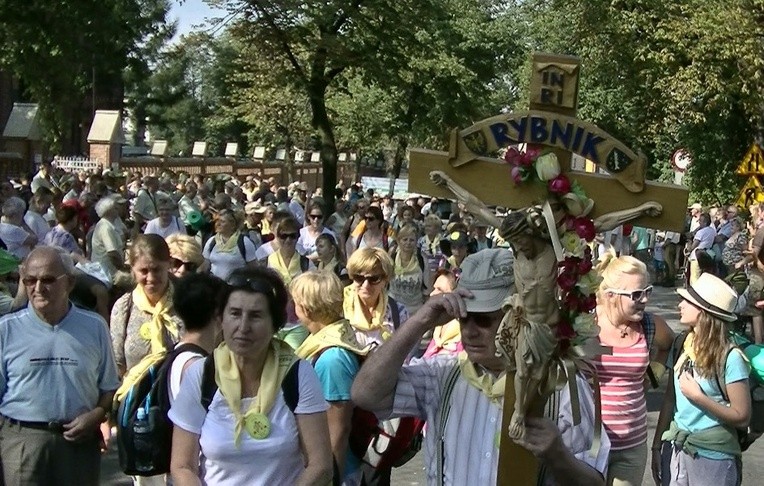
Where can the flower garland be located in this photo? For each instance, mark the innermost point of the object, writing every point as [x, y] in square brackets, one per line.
[577, 282]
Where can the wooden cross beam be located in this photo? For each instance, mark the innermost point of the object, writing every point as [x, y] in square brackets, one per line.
[472, 163]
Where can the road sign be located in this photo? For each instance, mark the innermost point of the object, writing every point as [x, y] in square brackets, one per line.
[752, 163]
[752, 192]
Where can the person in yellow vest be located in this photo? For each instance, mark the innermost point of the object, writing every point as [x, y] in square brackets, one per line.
[335, 354]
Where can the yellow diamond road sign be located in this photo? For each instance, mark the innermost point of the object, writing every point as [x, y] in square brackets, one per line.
[752, 163]
[752, 192]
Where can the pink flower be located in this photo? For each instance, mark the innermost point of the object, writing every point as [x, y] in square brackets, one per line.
[519, 174]
[585, 228]
[512, 156]
[560, 185]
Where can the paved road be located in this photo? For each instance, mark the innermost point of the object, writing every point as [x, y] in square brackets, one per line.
[663, 302]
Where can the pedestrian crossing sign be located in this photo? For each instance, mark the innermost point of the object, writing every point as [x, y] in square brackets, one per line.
[753, 162]
[752, 192]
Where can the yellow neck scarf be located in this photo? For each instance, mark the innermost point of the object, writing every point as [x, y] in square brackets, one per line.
[447, 335]
[336, 335]
[452, 262]
[488, 385]
[688, 352]
[353, 308]
[265, 227]
[287, 272]
[406, 269]
[227, 246]
[432, 246]
[329, 266]
[255, 420]
[154, 330]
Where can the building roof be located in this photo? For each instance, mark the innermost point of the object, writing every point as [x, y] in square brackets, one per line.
[106, 127]
[22, 122]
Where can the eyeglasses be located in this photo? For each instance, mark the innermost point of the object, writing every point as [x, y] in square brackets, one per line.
[46, 280]
[286, 236]
[315, 216]
[370, 218]
[188, 266]
[372, 279]
[634, 295]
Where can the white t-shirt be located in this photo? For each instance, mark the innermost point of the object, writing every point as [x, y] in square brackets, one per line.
[106, 238]
[176, 371]
[14, 237]
[222, 264]
[155, 227]
[705, 238]
[37, 224]
[274, 460]
[306, 243]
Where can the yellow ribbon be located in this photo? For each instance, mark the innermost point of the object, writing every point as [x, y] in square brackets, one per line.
[135, 374]
[255, 420]
[161, 320]
[329, 267]
[287, 272]
[452, 262]
[336, 335]
[489, 385]
[412, 267]
[353, 310]
[227, 246]
[447, 335]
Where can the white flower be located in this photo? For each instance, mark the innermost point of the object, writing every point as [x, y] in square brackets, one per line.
[547, 166]
[572, 244]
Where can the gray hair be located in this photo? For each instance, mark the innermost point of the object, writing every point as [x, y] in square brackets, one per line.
[14, 206]
[67, 263]
[104, 205]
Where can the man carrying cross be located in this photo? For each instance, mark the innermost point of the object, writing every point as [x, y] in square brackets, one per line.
[462, 397]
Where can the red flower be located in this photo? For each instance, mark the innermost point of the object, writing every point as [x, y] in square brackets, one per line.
[564, 330]
[533, 151]
[585, 266]
[512, 156]
[560, 185]
[585, 228]
[571, 301]
[526, 159]
[566, 280]
[588, 303]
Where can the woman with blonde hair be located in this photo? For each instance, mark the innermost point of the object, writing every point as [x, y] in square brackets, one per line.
[373, 314]
[412, 277]
[635, 335]
[334, 352]
[186, 254]
[708, 395]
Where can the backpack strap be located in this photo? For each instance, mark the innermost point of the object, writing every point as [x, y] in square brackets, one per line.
[648, 328]
[304, 263]
[395, 313]
[443, 411]
[242, 247]
[209, 386]
[290, 386]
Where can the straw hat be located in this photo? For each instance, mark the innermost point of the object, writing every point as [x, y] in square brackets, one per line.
[713, 295]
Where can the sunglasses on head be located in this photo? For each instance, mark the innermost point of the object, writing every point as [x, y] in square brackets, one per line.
[188, 266]
[248, 283]
[634, 295]
[372, 279]
[286, 236]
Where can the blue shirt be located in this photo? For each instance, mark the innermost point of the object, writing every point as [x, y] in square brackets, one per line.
[692, 418]
[336, 369]
[54, 372]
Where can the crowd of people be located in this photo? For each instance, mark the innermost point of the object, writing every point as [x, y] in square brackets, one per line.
[295, 319]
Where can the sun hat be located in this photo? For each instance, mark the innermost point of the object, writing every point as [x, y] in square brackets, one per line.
[713, 295]
[488, 275]
[697, 206]
[255, 207]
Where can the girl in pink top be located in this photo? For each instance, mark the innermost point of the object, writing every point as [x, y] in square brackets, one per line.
[633, 335]
[446, 339]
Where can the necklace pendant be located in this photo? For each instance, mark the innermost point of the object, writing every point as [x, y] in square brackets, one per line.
[258, 426]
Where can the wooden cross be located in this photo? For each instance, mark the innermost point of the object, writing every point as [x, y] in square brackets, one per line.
[472, 163]
[472, 157]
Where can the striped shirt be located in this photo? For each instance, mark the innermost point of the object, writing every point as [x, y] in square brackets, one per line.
[470, 438]
[624, 409]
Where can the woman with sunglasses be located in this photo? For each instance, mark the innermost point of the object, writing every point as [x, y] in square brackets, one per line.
[144, 321]
[374, 233]
[266, 421]
[186, 254]
[708, 396]
[635, 335]
[373, 314]
[229, 248]
[306, 244]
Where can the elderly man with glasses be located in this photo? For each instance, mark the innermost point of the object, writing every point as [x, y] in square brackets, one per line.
[57, 380]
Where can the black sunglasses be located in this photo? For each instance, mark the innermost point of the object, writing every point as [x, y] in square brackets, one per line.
[370, 218]
[286, 236]
[315, 216]
[372, 279]
[188, 266]
[257, 285]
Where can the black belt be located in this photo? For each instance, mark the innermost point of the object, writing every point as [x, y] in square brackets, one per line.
[52, 426]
